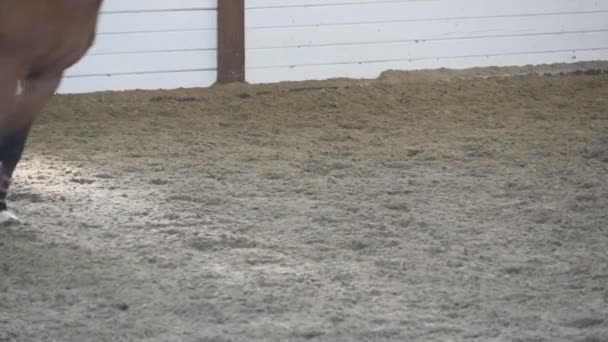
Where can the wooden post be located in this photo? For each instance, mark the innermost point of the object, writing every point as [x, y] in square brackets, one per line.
[231, 41]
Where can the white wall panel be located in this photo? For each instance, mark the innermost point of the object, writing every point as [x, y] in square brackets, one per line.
[155, 41]
[139, 63]
[421, 30]
[156, 21]
[313, 39]
[431, 10]
[156, 80]
[155, 5]
[373, 69]
[426, 49]
[149, 44]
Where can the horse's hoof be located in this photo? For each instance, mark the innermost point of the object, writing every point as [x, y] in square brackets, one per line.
[7, 218]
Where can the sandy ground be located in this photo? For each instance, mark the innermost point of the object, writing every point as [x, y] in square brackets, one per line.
[405, 209]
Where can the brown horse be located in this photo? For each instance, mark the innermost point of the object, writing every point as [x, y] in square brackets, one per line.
[39, 40]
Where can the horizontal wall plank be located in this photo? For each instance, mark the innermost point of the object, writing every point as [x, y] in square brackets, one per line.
[249, 4]
[157, 21]
[412, 10]
[144, 62]
[374, 69]
[155, 41]
[424, 30]
[316, 55]
[155, 5]
[192, 79]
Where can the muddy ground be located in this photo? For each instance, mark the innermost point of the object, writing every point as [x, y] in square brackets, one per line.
[409, 208]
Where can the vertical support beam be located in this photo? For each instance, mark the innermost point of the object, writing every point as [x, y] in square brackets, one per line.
[231, 41]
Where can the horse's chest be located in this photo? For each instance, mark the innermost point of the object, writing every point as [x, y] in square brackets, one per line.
[64, 45]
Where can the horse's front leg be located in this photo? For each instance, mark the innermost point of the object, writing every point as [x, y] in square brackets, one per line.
[8, 90]
[35, 94]
[11, 149]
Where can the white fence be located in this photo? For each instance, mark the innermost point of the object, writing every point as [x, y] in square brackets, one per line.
[318, 39]
[149, 44]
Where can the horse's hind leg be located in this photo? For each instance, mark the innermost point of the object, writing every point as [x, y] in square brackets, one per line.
[35, 94]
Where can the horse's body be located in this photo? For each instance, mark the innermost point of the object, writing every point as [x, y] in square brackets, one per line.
[39, 39]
